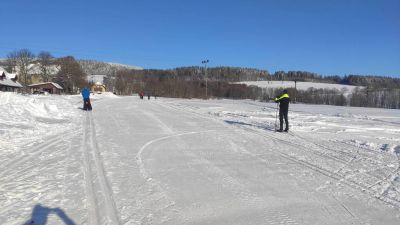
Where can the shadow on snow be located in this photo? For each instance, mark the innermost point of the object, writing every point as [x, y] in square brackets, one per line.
[40, 214]
[259, 126]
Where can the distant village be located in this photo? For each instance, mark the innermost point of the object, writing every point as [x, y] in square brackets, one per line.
[10, 82]
[22, 71]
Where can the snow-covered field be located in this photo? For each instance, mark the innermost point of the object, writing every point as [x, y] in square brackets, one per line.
[301, 85]
[176, 161]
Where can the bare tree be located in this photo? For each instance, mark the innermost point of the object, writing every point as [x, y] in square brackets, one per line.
[22, 59]
[11, 62]
[45, 60]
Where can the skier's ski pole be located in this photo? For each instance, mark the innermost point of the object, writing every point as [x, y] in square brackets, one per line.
[276, 116]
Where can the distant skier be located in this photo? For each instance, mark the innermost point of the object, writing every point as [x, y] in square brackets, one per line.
[148, 96]
[283, 101]
[86, 99]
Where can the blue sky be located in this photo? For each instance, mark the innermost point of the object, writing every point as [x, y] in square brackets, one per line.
[330, 37]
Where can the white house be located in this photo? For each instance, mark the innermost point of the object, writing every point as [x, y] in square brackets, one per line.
[8, 81]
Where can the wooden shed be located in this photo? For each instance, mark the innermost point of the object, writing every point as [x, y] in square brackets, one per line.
[50, 87]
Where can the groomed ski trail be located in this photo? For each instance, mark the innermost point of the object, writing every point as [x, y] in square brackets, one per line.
[100, 204]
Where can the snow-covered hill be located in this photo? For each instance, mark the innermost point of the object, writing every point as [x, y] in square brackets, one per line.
[179, 161]
[106, 68]
[125, 66]
[301, 85]
[89, 67]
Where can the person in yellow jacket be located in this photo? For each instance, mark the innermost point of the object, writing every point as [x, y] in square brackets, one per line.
[283, 101]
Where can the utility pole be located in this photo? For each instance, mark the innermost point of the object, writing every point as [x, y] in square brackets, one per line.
[205, 73]
[295, 91]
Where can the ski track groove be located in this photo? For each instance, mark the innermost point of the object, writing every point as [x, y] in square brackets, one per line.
[385, 178]
[101, 209]
[353, 184]
[346, 164]
[341, 151]
[359, 154]
[340, 178]
[391, 178]
[91, 204]
[388, 178]
[111, 210]
[319, 146]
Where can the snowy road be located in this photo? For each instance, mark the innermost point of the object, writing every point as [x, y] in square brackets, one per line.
[171, 161]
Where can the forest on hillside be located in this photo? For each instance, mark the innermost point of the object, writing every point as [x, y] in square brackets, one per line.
[199, 82]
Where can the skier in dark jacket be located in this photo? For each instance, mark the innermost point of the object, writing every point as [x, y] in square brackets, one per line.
[283, 101]
[86, 99]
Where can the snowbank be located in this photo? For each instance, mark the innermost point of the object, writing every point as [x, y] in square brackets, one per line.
[25, 119]
[18, 107]
[104, 95]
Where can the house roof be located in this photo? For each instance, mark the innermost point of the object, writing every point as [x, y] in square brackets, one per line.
[11, 75]
[7, 81]
[52, 83]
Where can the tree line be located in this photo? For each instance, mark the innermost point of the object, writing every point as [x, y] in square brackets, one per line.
[190, 82]
[176, 83]
[199, 82]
